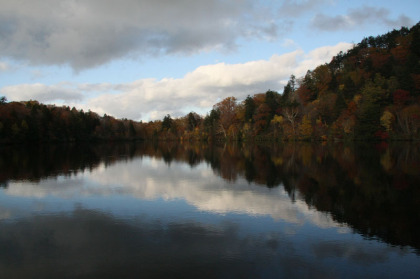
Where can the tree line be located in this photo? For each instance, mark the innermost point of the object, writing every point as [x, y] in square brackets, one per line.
[31, 121]
[372, 91]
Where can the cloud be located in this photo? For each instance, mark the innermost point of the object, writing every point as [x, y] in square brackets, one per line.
[289, 43]
[207, 85]
[4, 66]
[357, 18]
[85, 34]
[199, 90]
[295, 8]
[41, 92]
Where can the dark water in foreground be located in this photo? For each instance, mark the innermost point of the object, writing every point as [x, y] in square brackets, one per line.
[234, 211]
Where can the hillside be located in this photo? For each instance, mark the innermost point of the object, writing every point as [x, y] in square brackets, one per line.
[371, 92]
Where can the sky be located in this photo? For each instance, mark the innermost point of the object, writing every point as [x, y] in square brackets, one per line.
[144, 59]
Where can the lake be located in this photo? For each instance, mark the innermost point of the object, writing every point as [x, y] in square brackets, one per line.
[171, 210]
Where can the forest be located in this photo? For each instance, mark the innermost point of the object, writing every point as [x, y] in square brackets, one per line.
[370, 92]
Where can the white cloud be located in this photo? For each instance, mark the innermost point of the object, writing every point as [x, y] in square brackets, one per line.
[4, 67]
[320, 56]
[289, 43]
[89, 33]
[40, 92]
[150, 99]
[206, 85]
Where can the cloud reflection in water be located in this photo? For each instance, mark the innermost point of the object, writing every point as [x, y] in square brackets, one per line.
[143, 179]
[158, 219]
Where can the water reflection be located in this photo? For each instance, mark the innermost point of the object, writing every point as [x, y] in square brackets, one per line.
[144, 179]
[369, 189]
[93, 245]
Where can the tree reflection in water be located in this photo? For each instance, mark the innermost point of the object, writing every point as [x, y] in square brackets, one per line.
[373, 188]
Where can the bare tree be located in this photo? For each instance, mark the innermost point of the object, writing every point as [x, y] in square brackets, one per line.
[291, 113]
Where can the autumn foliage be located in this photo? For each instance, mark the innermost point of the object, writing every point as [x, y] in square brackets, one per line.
[34, 122]
[372, 91]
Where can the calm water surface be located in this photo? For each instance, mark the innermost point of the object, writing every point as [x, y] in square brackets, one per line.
[222, 211]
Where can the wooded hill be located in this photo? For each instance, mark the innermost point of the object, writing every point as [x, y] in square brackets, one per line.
[371, 92]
